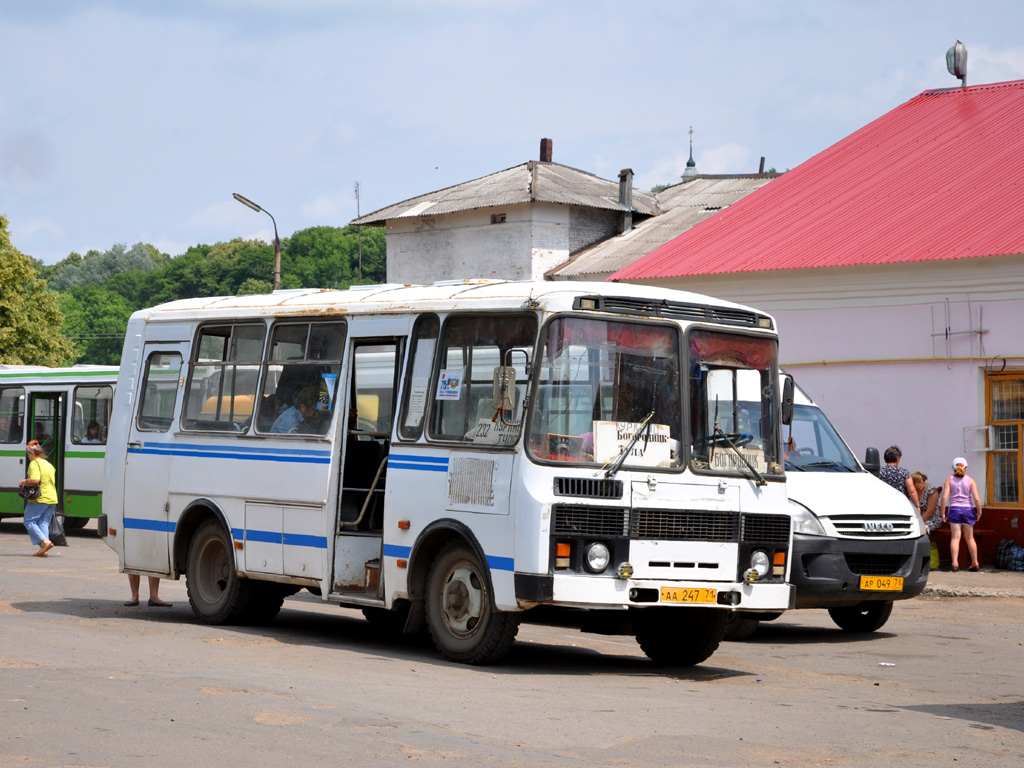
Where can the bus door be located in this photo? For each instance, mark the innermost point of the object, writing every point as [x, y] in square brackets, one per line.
[12, 449]
[370, 404]
[46, 425]
[147, 523]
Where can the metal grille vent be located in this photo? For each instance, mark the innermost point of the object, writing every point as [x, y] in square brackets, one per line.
[588, 487]
[583, 520]
[677, 310]
[684, 525]
[875, 527]
[875, 565]
[766, 529]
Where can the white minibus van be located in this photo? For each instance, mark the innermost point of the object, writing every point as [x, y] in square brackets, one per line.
[858, 543]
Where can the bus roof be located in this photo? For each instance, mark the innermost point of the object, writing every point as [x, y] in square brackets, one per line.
[442, 296]
[42, 373]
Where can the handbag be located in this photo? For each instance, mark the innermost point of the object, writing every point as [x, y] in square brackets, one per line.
[30, 492]
[57, 531]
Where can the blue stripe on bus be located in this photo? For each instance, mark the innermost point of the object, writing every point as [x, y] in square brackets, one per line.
[287, 539]
[496, 563]
[417, 462]
[142, 524]
[500, 563]
[238, 453]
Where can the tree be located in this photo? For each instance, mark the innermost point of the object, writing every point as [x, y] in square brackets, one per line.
[30, 320]
[95, 319]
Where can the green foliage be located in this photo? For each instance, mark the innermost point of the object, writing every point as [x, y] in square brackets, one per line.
[95, 319]
[30, 320]
[98, 291]
[98, 268]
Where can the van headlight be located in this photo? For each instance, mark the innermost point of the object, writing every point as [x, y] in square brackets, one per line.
[804, 520]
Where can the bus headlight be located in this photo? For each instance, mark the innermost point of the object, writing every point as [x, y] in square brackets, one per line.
[760, 564]
[596, 557]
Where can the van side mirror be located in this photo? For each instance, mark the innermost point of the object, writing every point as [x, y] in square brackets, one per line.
[871, 463]
[787, 400]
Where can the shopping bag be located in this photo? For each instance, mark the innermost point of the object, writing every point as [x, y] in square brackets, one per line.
[57, 531]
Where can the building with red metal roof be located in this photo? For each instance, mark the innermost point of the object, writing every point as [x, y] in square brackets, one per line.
[893, 262]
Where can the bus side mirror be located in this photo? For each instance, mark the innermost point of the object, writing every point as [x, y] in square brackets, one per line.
[504, 382]
[787, 400]
[871, 463]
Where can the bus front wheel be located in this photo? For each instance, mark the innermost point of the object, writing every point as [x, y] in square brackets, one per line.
[462, 619]
[865, 617]
[216, 593]
[680, 637]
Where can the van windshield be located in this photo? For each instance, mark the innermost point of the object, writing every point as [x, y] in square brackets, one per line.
[813, 445]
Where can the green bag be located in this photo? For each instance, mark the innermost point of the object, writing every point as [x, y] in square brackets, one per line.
[935, 556]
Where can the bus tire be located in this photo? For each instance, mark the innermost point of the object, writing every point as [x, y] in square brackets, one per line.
[76, 523]
[680, 637]
[864, 617]
[461, 617]
[215, 591]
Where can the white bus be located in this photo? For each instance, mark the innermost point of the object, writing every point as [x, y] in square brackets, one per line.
[68, 411]
[451, 456]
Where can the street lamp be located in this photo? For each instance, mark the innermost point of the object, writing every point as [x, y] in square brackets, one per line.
[277, 240]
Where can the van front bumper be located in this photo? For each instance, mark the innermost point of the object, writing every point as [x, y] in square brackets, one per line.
[826, 571]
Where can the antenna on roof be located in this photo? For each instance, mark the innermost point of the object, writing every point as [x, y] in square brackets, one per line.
[956, 62]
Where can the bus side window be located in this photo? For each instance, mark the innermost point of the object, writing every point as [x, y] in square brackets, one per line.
[159, 392]
[472, 346]
[417, 377]
[301, 358]
[92, 414]
[11, 418]
[222, 381]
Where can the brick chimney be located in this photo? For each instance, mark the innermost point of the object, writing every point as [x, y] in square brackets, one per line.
[545, 150]
[626, 199]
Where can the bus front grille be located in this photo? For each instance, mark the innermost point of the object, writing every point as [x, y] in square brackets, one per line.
[684, 525]
[766, 529]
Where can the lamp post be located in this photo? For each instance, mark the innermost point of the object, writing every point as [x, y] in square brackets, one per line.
[277, 241]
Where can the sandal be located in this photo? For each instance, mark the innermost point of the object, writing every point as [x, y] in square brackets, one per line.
[131, 603]
[974, 567]
[955, 568]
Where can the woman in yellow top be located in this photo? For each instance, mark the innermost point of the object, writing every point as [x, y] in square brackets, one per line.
[39, 512]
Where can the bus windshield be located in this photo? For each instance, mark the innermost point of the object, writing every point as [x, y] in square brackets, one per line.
[608, 393]
[733, 396]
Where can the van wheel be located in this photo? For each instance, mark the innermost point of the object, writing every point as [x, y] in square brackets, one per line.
[216, 593]
[865, 617]
[680, 637]
[740, 627]
[461, 616]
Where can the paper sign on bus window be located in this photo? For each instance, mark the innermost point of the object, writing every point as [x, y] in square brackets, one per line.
[417, 400]
[449, 386]
[650, 450]
[324, 401]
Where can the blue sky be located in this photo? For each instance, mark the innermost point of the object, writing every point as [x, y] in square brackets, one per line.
[123, 122]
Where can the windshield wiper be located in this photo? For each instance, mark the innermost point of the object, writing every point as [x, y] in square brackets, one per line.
[620, 457]
[728, 441]
[829, 463]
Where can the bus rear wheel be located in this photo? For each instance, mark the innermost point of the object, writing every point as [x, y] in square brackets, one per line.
[461, 617]
[216, 593]
[680, 637]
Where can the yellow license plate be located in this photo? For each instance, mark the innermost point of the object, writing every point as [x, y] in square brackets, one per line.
[688, 595]
[882, 583]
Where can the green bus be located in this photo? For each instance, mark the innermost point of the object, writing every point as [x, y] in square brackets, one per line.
[68, 411]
